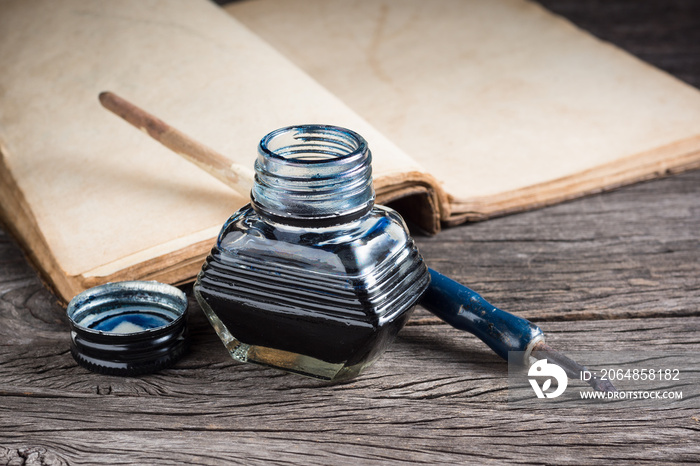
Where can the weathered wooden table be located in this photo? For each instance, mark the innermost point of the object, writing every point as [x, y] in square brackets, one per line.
[620, 269]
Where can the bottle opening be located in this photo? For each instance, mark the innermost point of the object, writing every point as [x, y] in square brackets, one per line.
[313, 175]
[312, 143]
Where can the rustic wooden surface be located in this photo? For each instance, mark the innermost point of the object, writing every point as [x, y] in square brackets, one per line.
[619, 269]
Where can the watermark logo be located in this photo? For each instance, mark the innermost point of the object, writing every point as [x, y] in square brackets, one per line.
[621, 379]
[541, 369]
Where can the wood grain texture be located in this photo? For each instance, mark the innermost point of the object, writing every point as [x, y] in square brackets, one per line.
[631, 253]
[620, 269]
[436, 396]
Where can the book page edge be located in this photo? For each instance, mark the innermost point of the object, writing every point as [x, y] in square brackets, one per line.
[670, 159]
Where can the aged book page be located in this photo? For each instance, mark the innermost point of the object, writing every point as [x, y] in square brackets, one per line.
[507, 105]
[91, 198]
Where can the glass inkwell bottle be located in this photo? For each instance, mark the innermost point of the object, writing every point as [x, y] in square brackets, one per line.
[311, 277]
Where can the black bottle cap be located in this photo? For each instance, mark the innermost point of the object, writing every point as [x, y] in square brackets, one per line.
[128, 328]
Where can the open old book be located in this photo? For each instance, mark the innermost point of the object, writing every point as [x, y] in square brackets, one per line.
[471, 109]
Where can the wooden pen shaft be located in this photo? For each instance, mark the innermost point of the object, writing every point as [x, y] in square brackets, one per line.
[204, 157]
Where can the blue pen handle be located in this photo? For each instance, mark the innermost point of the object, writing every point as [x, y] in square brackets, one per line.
[465, 309]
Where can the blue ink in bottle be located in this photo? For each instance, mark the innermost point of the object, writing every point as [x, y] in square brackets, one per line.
[311, 277]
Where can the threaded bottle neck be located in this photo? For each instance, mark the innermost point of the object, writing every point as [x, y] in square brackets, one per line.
[313, 175]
